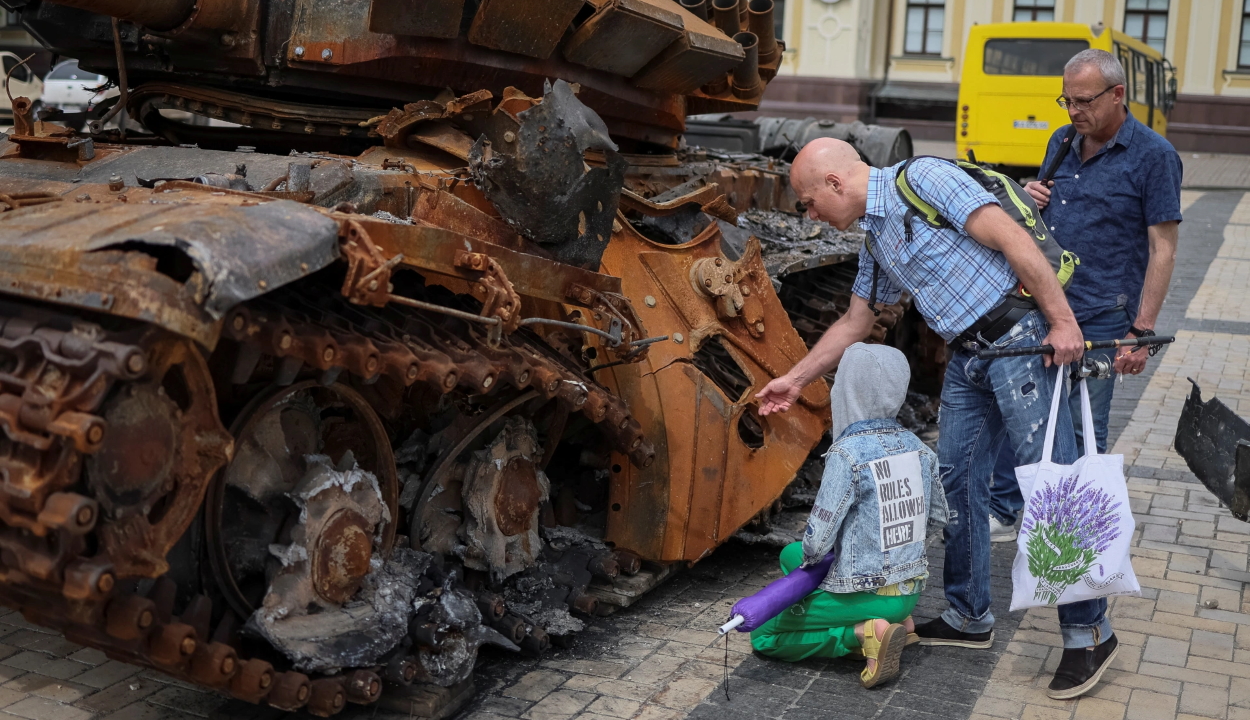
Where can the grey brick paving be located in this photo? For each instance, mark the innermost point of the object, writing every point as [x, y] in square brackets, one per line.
[1202, 234]
[658, 658]
[935, 681]
[1215, 171]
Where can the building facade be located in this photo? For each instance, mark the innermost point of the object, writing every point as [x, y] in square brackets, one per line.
[899, 61]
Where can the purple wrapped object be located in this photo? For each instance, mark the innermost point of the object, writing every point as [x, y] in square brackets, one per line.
[757, 609]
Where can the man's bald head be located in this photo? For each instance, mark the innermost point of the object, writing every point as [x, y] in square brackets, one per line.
[822, 156]
[831, 180]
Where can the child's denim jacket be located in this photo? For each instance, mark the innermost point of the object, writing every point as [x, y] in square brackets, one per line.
[868, 511]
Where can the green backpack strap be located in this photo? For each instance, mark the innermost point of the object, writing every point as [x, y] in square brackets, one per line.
[876, 275]
[989, 179]
[1011, 197]
[986, 178]
[916, 205]
[1024, 211]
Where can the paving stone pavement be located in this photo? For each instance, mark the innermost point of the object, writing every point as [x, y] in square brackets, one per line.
[1185, 643]
[1202, 234]
[661, 659]
[1211, 171]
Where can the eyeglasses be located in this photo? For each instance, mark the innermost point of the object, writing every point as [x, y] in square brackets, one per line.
[1065, 103]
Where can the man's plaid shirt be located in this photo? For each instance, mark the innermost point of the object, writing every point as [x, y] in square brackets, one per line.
[953, 279]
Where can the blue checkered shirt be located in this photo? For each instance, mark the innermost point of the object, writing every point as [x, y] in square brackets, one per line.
[952, 278]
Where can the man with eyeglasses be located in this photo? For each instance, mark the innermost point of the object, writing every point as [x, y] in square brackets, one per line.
[1115, 202]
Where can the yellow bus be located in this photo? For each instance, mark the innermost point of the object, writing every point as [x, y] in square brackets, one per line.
[1012, 73]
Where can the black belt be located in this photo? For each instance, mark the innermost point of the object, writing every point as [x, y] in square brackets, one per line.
[994, 324]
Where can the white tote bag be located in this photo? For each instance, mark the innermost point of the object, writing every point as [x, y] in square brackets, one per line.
[1074, 540]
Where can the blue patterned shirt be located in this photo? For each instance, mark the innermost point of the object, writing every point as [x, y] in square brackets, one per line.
[1102, 209]
[952, 278]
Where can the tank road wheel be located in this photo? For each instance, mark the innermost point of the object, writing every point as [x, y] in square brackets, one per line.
[486, 498]
[249, 507]
[436, 514]
[486, 492]
[164, 440]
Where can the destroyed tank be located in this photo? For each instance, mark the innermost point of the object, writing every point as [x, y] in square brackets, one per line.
[355, 335]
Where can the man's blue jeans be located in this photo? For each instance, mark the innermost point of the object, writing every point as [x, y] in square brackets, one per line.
[984, 401]
[1005, 499]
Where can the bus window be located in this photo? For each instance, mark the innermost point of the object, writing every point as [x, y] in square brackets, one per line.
[1161, 86]
[1021, 56]
[1125, 56]
[1141, 89]
[1169, 85]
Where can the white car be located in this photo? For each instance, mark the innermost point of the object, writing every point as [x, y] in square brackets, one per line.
[72, 89]
[22, 82]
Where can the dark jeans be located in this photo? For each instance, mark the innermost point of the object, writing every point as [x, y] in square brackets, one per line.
[985, 402]
[1005, 499]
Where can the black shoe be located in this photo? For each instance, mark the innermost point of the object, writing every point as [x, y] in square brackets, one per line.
[1080, 669]
[937, 632]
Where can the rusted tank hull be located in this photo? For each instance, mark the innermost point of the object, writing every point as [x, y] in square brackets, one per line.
[718, 463]
[371, 373]
[227, 355]
[642, 64]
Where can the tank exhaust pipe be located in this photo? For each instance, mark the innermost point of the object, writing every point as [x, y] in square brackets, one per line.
[760, 22]
[698, 7]
[165, 15]
[782, 138]
[746, 76]
[725, 14]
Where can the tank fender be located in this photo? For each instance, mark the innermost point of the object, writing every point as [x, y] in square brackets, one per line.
[242, 252]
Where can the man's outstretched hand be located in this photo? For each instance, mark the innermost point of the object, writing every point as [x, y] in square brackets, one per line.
[779, 395]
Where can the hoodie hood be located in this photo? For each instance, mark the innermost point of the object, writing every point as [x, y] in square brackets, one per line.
[871, 384]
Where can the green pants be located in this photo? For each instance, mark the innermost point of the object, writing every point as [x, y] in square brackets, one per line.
[823, 623]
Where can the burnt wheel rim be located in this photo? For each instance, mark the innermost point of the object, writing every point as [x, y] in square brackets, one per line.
[305, 418]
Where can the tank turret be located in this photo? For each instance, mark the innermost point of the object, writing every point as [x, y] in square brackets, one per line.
[642, 65]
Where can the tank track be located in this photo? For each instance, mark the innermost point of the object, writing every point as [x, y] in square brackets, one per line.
[330, 335]
[95, 567]
[146, 101]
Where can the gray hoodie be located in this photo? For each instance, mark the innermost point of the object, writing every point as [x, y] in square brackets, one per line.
[880, 496]
[871, 383]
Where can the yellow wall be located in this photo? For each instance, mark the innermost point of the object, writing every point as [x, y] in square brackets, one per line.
[1229, 81]
[847, 38]
[834, 39]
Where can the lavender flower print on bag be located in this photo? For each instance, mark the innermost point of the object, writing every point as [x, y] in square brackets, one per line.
[1068, 528]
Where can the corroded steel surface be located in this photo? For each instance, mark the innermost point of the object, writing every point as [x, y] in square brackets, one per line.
[643, 65]
[707, 480]
[431, 332]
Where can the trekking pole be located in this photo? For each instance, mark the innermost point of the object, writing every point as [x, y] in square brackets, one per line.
[1152, 341]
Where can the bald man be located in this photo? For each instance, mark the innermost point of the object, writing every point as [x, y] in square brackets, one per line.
[961, 279]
